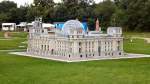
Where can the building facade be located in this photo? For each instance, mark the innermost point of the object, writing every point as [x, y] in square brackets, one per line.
[8, 26]
[73, 42]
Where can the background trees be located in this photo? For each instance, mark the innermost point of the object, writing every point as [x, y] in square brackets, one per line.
[132, 15]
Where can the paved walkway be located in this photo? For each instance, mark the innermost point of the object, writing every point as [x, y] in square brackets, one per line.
[127, 56]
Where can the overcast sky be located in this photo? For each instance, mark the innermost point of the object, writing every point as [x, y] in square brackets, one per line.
[22, 2]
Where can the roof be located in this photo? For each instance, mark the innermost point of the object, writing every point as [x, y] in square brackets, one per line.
[8, 23]
[22, 24]
[48, 25]
[30, 24]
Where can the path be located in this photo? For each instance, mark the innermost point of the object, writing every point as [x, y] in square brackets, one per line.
[147, 39]
[126, 56]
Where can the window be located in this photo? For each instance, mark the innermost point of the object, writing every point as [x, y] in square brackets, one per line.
[79, 43]
[120, 53]
[80, 56]
[92, 44]
[42, 31]
[86, 55]
[79, 50]
[118, 48]
[45, 47]
[118, 42]
[42, 47]
[38, 24]
[112, 54]
[52, 51]
[69, 56]
[99, 50]
[48, 47]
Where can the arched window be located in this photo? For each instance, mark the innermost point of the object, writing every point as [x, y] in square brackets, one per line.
[80, 56]
[120, 53]
[99, 50]
[86, 56]
[79, 50]
[52, 51]
[79, 43]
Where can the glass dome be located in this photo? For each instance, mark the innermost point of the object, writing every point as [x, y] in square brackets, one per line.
[72, 25]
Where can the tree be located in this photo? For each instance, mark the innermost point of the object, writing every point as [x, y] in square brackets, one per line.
[32, 13]
[137, 12]
[4, 17]
[44, 3]
[119, 18]
[18, 14]
[91, 23]
[5, 6]
[44, 8]
[104, 12]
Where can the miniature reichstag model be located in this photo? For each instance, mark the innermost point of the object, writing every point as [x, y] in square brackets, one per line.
[73, 42]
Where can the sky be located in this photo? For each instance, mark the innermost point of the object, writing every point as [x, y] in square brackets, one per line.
[23, 2]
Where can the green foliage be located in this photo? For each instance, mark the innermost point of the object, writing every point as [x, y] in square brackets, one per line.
[104, 11]
[137, 12]
[44, 3]
[18, 14]
[10, 13]
[5, 6]
[91, 24]
[4, 17]
[118, 18]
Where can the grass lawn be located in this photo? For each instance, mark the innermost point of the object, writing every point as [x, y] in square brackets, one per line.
[26, 70]
[15, 34]
[137, 46]
[15, 42]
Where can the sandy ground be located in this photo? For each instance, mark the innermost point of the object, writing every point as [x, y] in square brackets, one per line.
[147, 39]
[127, 56]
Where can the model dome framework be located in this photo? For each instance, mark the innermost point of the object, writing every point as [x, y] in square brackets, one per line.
[72, 25]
